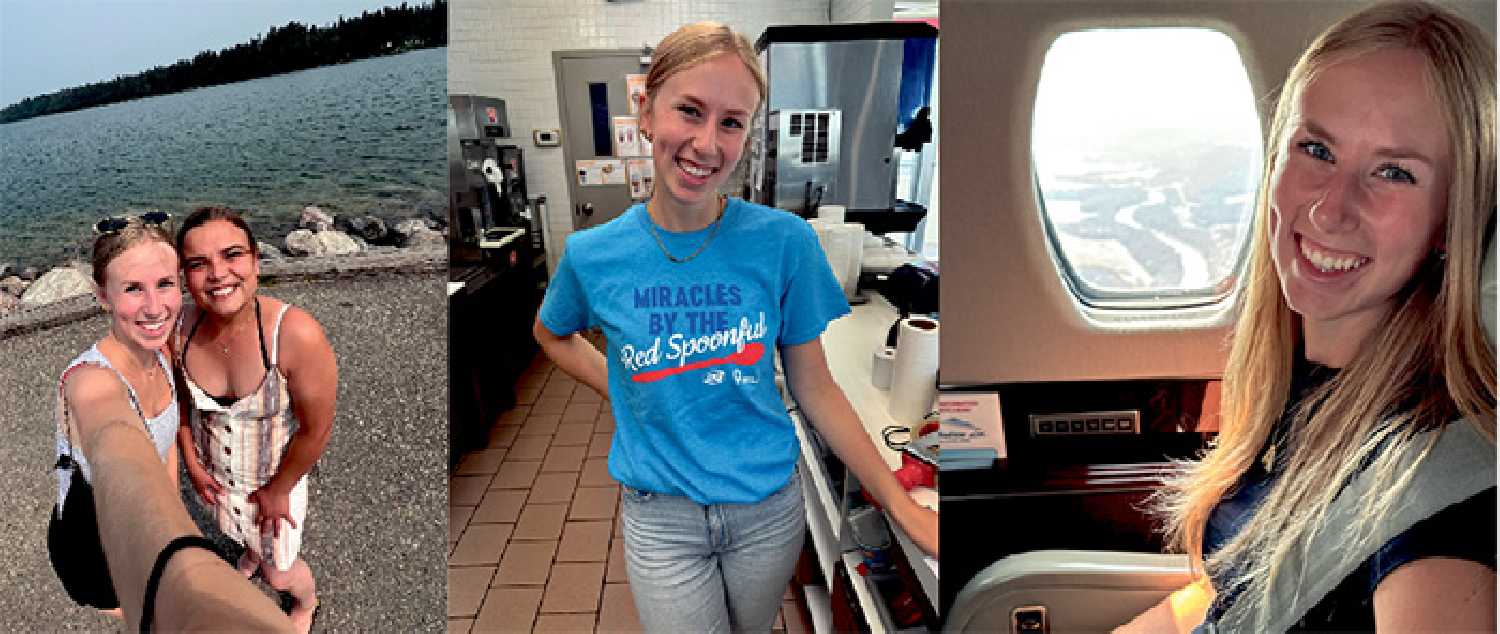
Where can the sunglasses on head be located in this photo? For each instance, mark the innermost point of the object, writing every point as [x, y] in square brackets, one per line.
[116, 224]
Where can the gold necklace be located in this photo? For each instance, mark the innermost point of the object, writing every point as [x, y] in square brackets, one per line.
[713, 230]
[227, 337]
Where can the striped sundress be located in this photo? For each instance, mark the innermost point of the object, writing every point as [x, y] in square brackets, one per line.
[242, 446]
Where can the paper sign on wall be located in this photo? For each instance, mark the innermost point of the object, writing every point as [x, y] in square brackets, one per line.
[971, 432]
[642, 177]
[627, 136]
[635, 86]
[600, 172]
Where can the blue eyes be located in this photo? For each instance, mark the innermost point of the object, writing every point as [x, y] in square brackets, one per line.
[692, 112]
[1396, 173]
[1316, 150]
[1387, 171]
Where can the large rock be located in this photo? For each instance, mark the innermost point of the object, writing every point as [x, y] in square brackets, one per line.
[58, 284]
[416, 232]
[306, 243]
[13, 286]
[28, 273]
[268, 251]
[370, 228]
[8, 303]
[315, 219]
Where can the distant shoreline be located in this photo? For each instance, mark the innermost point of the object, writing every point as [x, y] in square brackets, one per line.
[285, 49]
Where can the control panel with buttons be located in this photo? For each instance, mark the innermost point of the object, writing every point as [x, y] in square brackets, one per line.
[1086, 423]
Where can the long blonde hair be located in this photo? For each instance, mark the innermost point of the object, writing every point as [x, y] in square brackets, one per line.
[1427, 364]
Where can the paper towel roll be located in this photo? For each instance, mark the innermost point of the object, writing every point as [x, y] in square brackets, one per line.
[885, 364]
[831, 213]
[914, 377]
[854, 237]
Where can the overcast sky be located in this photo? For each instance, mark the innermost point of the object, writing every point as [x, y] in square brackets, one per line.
[47, 45]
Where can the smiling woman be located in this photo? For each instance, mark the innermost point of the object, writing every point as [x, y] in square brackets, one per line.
[263, 390]
[1359, 358]
[135, 273]
[712, 513]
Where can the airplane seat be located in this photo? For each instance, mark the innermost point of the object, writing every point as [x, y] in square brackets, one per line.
[1079, 590]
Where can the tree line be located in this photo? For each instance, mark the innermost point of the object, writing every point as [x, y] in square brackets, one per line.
[282, 49]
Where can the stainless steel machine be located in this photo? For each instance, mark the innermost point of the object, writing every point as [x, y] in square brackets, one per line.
[839, 94]
[497, 268]
[488, 206]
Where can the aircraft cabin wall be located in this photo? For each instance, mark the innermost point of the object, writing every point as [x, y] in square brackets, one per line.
[1008, 314]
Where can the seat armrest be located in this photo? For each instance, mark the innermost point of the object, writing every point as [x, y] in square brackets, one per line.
[1082, 590]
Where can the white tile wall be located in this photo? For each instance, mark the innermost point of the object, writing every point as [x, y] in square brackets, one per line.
[861, 10]
[504, 49]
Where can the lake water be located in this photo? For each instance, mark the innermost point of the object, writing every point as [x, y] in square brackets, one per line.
[363, 137]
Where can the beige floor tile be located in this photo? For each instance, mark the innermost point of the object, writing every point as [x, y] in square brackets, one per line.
[515, 474]
[514, 415]
[531, 380]
[619, 527]
[586, 394]
[553, 488]
[596, 473]
[599, 444]
[529, 447]
[549, 406]
[460, 626]
[527, 396]
[584, 541]
[481, 544]
[605, 422]
[574, 587]
[466, 588]
[572, 623]
[525, 564]
[500, 506]
[795, 620]
[458, 519]
[580, 412]
[482, 462]
[557, 390]
[509, 610]
[561, 378]
[466, 490]
[503, 436]
[614, 572]
[573, 434]
[541, 521]
[564, 459]
[617, 610]
[541, 424]
[594, 503]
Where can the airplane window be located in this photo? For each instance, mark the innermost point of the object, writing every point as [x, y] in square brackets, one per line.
[1147, 151]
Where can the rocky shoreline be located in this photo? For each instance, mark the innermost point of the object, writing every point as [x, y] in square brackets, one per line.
[321, 247]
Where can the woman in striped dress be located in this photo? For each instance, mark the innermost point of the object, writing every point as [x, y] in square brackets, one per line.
[262, 381]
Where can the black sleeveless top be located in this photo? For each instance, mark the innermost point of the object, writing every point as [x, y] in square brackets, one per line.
[1463, 531]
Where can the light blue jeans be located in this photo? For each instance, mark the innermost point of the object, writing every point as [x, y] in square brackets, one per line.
[716, 568]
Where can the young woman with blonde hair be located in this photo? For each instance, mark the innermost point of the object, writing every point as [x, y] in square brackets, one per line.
[696, 293]
[1352, 484]
[136, 281]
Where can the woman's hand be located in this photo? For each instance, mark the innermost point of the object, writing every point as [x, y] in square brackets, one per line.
[921, 525]
[272, 503]
[208, 489]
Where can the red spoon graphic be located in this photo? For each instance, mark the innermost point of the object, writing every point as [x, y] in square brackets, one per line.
[748, 356]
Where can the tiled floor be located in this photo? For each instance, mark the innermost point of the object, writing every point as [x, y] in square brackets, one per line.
[533, 520]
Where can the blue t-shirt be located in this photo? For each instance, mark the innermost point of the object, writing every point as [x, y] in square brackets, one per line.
[690, 346]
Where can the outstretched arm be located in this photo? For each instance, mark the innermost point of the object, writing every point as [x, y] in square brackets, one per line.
[139, 512]
[312, 377]
[826, 407]
[574, 355]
